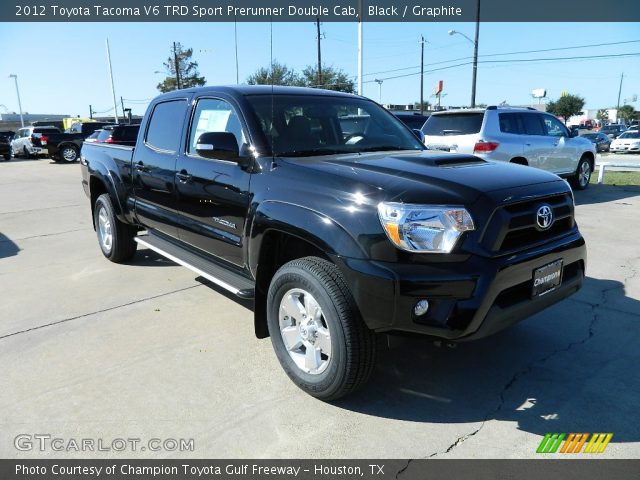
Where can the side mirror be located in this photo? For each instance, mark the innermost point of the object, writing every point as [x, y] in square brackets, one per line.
[218, 145]
[418, 133]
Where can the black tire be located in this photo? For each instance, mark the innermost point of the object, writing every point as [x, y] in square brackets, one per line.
[7, 157]
[25, 152]
[122, 245]
[68, 153]
[581, 178]
[352, 344]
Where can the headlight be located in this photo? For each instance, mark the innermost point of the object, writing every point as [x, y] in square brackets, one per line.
[424, 228]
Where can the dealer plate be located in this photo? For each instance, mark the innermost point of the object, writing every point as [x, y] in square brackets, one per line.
[547, 278]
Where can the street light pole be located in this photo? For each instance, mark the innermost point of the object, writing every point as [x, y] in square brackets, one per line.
[379, 82]
[422, 42]
[15, 78]
[475, 53]
[475, 58]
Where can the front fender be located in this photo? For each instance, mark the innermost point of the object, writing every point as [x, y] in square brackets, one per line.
[310, 225]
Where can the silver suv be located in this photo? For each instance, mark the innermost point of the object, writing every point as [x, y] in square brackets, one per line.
[519, 135]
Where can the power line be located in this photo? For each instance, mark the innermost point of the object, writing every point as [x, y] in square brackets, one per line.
[508, 53]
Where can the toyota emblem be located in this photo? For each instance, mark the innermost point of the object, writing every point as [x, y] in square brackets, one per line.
[544, 217]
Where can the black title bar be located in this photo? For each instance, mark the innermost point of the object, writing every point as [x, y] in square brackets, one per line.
[327, 10]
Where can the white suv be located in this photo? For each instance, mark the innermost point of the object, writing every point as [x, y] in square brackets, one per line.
[518, 135]
[22, 141]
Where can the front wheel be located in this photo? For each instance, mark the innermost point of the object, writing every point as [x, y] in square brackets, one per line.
[316, 331]
[116, 238]
[582, 176]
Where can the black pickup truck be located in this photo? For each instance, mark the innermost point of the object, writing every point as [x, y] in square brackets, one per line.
[66, 146]
[335, 236]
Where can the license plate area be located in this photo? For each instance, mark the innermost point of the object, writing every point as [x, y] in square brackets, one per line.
[547, 278]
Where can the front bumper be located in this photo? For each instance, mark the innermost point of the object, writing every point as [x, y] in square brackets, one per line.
[469, 299]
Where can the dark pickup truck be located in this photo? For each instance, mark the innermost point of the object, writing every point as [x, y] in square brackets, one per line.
[334, 236]
[66, 146]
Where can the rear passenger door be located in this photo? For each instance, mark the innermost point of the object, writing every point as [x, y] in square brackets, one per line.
[562, 151]
[154, 167]
[534, 140]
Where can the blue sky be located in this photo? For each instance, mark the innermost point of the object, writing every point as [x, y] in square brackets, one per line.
[62, 67]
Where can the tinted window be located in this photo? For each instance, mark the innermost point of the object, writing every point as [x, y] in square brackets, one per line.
[45, 130]
[213, 115]
[165, 125]
[453, 124]
[511, 123]
[532, 124]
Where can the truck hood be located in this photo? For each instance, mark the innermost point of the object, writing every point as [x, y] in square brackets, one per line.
[424, 177]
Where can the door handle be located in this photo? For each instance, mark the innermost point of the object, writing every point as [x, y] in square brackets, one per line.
[140, 167]
[183, 176]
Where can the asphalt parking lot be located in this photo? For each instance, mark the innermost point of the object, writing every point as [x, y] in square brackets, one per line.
[90, 349]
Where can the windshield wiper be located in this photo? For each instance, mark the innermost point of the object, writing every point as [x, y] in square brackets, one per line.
[312, 152]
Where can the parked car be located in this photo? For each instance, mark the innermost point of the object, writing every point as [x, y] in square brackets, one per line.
[5, 144]
[66, 146]
[119, 134]
[335, 237]
[413, 120]
[518, 135]
[600, 140]
[613, 130]
[628, 142]
[26, 141]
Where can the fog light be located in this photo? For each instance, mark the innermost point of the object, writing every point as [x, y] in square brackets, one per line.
[421, 308]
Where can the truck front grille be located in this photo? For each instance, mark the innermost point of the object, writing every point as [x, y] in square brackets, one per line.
[513, 227]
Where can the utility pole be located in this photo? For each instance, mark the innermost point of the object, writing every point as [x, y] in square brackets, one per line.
[15, 77]
[619, 93]
[175, 60]
[379, 82]
[360, 14]
[319, 54]
[90, 112]
[475, 58]
[113, 88]
[122, 105]
[422, 74]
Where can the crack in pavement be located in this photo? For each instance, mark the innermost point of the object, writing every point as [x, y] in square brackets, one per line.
[529, 368]
[42, 208]
[43, 235]
[108, 309]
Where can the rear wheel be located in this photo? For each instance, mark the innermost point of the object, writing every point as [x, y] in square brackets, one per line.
[25, 152]
[116, 238]
[582, 176]
[69, 153]
[316, 331]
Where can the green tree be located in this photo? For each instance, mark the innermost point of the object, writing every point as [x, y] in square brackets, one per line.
[331, 79]
[187, 70]
[626, 113]
[566, 106]
[277, 74]
[602, 115]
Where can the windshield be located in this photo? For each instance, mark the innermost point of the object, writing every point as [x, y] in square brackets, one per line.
[453, 124]
[630, 135]
[307, 125]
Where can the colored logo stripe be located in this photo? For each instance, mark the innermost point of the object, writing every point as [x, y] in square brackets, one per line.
[574, 442]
